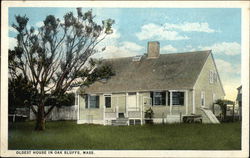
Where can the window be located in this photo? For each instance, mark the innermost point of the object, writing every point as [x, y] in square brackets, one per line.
[91, 101]
[107, 101]
[202, 98]
[178, 98]
[158, 98]
[215, 77]
[211, 76]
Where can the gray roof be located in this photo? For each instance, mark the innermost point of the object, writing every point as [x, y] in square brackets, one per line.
[178, 71]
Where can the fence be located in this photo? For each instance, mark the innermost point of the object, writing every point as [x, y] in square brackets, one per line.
[59, 113]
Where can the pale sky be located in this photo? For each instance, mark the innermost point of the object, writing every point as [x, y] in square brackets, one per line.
[177, 30]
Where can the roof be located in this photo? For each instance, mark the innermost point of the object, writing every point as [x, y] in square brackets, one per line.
[177, 71]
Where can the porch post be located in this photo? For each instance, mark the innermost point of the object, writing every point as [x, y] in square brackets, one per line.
[104, 110]
[117, 111]
[166, 98]
[186, 100]
[141, 109]
[126, 99]
[78, 106]
[166, 104]
[171, 102]
[137, 100]
[76, 101]
[193, 101]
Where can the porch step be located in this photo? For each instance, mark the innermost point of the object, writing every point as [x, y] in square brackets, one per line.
[120, 122]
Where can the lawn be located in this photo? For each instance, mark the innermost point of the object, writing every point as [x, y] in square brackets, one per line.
[69, 135]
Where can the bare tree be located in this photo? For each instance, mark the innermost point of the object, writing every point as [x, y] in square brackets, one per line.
[54, 56]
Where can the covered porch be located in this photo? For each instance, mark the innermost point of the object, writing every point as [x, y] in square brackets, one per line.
[129, 108]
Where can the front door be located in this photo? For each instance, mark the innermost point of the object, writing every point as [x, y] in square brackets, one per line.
[132, 102]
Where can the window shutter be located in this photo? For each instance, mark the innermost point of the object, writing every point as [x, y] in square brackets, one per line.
[97, 101]
[163, 98]
[182, 96]
[152, 97]
[86, 101]
[168, 98]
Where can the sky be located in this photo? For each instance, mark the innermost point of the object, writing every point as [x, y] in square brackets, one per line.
[177, 30]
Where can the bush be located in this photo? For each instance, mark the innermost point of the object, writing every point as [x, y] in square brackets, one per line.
[149, 114]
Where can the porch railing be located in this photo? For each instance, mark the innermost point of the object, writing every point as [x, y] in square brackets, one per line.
[131, 113]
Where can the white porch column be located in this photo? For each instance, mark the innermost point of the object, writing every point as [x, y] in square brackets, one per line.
[126, 99]
[166, 98]
[142, 109]
[193, 101]
[166, 104]
[78, 107]
[171, 102]
[137, 100]
[76, 101]
[117, 111]
[104, 110]
[186, 100]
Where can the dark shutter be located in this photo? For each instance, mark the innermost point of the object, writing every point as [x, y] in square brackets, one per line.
[182, 98]
[152, 98]
[86, 101]
[97, 101]
[163, 98]
[168, 98]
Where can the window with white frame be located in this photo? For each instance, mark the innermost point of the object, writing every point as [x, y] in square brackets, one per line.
[91, 101]
[158, 98]
[202, 98]
[178, 98]
[215, 77]
[211, 76]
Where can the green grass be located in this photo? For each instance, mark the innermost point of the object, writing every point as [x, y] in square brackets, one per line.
[69, 135]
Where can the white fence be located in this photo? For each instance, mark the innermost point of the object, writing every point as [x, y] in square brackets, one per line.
[59, 113]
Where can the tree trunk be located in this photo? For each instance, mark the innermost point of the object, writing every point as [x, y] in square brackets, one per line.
[40, 120]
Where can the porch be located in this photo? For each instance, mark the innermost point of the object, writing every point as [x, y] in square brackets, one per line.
[124, 109]
[129, 108]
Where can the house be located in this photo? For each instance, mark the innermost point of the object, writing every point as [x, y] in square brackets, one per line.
[239, 101]
[173, 85]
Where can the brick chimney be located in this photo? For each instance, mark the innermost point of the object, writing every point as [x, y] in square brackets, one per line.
[153, 49]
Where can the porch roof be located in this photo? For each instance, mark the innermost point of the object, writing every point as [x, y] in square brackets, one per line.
[177, 71]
